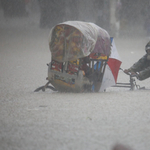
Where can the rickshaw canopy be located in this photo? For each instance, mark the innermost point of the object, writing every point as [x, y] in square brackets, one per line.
[72, 40]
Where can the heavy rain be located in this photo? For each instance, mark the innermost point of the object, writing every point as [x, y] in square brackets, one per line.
[62, 121]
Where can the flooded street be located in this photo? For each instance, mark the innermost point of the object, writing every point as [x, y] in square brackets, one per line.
[65, 121]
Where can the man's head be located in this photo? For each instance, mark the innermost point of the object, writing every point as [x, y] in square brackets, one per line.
[147, 49]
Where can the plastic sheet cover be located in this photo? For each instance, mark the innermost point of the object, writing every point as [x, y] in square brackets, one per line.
[75, 39]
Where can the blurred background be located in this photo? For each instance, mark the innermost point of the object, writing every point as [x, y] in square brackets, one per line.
[118, 17]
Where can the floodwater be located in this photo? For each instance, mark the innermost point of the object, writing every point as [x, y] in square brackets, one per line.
[65, 121]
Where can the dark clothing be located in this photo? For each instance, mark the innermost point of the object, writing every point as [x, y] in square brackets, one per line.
[143, 67]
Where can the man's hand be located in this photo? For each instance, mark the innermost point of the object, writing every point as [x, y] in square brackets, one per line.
[127, 71]
[135, 74]
[131, 73]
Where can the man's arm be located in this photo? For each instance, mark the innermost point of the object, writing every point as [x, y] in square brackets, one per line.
[144, 74]
[136, 66]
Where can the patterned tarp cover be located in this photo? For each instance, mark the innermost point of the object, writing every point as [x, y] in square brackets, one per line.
[75, 39]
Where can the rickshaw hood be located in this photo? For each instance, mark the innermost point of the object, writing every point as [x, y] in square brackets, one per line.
[75, 39]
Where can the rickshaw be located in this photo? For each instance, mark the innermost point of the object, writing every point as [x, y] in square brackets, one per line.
[83, 59]
[79, 54]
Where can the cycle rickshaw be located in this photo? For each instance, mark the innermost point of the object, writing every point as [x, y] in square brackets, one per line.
[82, 58]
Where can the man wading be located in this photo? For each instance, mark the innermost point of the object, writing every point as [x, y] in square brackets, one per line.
[141, 69]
